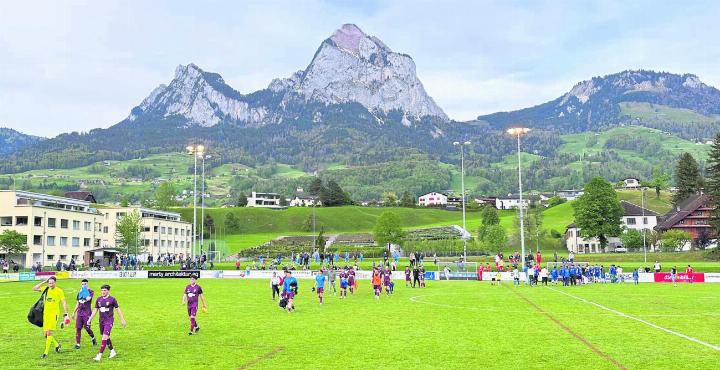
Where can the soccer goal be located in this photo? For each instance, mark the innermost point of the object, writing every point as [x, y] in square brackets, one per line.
[458, 266]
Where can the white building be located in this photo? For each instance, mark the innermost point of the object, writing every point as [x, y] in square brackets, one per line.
[632, 183]
[634, 217]
[433, 199]
[511, 201]
[570, 195]
[304, 201]
[264, 200]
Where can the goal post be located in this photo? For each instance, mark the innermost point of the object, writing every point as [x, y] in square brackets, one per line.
[457, 266]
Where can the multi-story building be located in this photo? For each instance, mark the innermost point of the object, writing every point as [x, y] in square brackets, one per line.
[433, 199]
[162, 232]
[692, 215]
[264, 200]
[57, 228]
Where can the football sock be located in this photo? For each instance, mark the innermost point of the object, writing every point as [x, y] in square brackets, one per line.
[103, 344]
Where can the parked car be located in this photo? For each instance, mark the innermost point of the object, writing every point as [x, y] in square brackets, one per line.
[620, 250]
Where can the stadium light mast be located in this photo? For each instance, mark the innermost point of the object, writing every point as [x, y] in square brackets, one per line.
[196, 151]
[202, 206]
[642, 205]
[519, 131]
[462, 185]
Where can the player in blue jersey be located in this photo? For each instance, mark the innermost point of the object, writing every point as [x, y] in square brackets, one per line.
[320, 286]
[290, 286]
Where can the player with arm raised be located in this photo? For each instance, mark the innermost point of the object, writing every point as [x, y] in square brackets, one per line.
[192, 293]
[54, 297]
[106, 304]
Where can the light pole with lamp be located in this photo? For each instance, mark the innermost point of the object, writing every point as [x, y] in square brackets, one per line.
[196, 151]
[202, 206]
[519, 131]
[642, 205]
[462, 184]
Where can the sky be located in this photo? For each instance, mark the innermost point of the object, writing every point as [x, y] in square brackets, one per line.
[77, 65]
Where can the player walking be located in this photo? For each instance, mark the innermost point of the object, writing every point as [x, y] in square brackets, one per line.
[689, 271]
[344, 283]
[351, 280]
[106, 305]
[290, 285]
[320, 286]
[83, 309]
[673, 275]
[192, 293]
[376, 283]
[53, 298]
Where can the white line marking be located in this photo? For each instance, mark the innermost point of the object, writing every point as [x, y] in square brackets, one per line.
[698, 341]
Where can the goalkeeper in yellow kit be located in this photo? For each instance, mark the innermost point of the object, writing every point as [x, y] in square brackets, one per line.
[51, 310]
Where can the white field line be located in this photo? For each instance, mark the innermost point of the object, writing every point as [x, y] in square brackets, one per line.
[694, 340]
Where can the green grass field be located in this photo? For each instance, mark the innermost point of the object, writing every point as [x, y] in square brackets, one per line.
[448, 325]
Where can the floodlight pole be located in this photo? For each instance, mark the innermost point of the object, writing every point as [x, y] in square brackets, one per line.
[519, 131]
[642, 204]
[462, 184]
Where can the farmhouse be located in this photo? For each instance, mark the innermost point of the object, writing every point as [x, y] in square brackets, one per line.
[433, 199]
[691, 215]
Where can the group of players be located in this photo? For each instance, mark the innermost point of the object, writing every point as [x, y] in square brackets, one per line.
[105, 306]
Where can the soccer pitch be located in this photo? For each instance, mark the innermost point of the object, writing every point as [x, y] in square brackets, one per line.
[447, 325]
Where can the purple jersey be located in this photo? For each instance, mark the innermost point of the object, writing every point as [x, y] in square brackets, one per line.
[193, 293]
[106, 306]
[85, 304]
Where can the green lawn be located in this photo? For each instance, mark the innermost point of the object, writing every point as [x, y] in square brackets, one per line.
[448, 325]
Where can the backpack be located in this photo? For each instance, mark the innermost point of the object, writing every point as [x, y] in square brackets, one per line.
[35, 316]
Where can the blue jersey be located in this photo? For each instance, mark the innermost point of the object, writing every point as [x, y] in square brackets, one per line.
[287, 288]
[554, 274]
[320, 281]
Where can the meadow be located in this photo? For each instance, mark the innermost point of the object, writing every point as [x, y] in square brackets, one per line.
[448, 325]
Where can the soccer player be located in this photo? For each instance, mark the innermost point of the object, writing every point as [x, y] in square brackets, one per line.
[422, 276]
[53, 298]
[351, 280]
[192, 293]
[386, 282]
[343, 283]
[106, 305]
[689, 271]
[376, 283]
[289, 288]
[83, 309]
[554, 275]
[407, 276]
[320, 286]
[331, 276]
[673, 275]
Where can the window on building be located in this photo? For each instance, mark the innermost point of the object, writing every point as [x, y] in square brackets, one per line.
[645, 220]
[21, 221]
[162, 243]
[146, 229]
[63, 257]
[63, 241]
[155, 243]
[88, 226]
[63, 223]
[75, 242]
[76, 225]
[162, 230]
[50, 257]
[176, 244]
[86, 242]
[6, 221]
[146, 242]
[75, 257]
[105, 229]
[51, 241]
[177, 232]
[37, 239]
[182, 232]
[631, 220]
[51, 222]
[37, 221]
[155, 229]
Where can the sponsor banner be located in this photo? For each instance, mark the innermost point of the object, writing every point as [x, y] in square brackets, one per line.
[109, 274]
[5, 278]
[173, 274]
[664, 277]
[712, 277]
[236, 274]
[442, 275]
[211, 274]
[62, 274]
[645, 277]
[26, 276]
[429, 275]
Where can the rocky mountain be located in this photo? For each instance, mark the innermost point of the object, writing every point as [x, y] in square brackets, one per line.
[12, 141]
[595, 104]
[348, 67]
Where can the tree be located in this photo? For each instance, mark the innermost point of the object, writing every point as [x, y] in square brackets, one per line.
[165, 196]
[283, 201]
[12, 242]
[320, 240]
[632, 239]
[128, 233]
[703, 240]
[242, 200]
[407, 200]
[687, 178]
[494, 237]
[556, 201]
[332, 195]
[533, 224]
[388, 229]
[390, 199]
[489, 216]
[660, 180]
[598, 211]
[673, 240]
[713, 183]
[232, 222]
[124, 202]
[209, 224]
[316, 187]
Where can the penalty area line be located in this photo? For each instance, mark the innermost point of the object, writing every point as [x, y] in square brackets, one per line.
[681, 335]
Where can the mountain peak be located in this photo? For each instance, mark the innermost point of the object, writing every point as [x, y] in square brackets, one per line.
[348, 37]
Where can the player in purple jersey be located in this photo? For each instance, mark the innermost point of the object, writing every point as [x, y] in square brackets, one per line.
[106, 305]
[351, 280]
[193, 292]
[407, 276]
[83, 309]
[387, 281]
